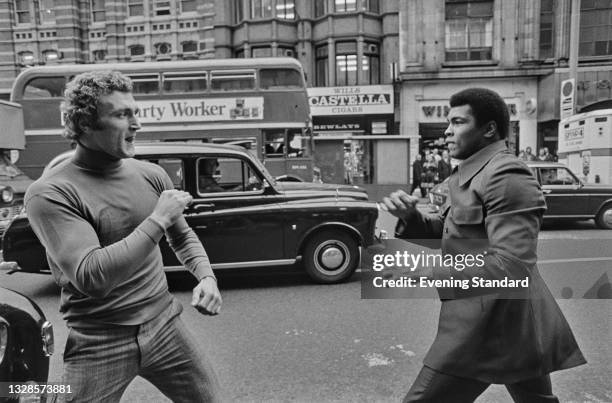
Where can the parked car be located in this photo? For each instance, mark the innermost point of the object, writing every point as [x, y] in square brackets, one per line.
[247, 218]
[13, 184]
[26, 341]
[566, 195]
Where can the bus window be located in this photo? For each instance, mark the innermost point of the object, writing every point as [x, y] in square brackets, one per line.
[299, 144]
[279, 78]
[45, 87]
[185, 82]
[232, 80]
[145, 84]
[274, 141]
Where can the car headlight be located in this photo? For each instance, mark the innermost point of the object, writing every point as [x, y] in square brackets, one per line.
[3, 338]
[47, 338]
[7, 194]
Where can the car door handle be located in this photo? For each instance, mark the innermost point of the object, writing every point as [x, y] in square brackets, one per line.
[198, 208]
[547, 191]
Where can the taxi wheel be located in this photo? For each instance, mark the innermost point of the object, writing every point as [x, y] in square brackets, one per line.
[604, 217]
[331, 256]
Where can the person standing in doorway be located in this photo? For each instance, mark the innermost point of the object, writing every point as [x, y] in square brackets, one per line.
[417, 175]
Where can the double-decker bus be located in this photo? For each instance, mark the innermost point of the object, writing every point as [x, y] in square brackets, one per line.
[259, 103]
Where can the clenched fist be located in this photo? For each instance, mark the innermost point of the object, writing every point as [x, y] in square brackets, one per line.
[170, 206]
[401, 204]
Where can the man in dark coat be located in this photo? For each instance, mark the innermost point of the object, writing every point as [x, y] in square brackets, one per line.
[444, 166]
[485, 335]
[417, 173]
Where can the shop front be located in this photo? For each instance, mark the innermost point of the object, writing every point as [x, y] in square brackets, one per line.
[426, 107]
[355, 136]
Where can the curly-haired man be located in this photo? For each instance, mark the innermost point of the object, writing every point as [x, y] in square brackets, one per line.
[100, 216]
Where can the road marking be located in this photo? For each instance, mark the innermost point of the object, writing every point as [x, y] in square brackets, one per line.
[582, 259]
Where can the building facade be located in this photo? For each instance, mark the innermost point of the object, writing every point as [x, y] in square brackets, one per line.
[519, 48]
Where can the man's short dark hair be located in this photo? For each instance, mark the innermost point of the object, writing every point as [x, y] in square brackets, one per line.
[82, 95]
[486, 106]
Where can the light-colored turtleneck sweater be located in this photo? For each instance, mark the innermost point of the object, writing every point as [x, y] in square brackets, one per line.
[92, 215]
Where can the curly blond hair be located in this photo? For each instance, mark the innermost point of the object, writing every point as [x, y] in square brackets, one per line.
[82, 96]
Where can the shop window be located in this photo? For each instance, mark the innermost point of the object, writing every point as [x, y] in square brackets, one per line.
[98, 13]
[547, 20]
[319, 8]
[188, 6]
[162, 8]
[261, 9]
[343, 6]
[99, 55]
[371, 5]
[595, 28]
[321, 68]
[47, 12]
[346, 63]
[285, 9]
[469, 30]
[370, 64]
[135, 8]
[22, 11]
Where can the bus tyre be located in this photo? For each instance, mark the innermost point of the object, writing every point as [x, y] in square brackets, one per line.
[604, 217]
[331, 256]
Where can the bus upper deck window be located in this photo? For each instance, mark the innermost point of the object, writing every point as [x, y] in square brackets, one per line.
[45, 87]
[279, 78]
[232, 80]
[185, 82]
[145, 84]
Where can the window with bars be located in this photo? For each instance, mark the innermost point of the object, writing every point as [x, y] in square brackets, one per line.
[189, 47]
[98, 13]
[469, 30]
[261, 51]
[285, 9]
[47, 11]
[22, 11]
[135, 8]
[343, 6]
[595, 28]
[99, 55]
[346, 63]
[261, 9]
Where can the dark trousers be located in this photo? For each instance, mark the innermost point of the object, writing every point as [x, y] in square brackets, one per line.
[417, 184]
[436, 387]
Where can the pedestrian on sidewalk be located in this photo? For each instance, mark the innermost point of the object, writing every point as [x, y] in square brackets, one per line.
[100, 217]
[514, 337]
[417, 175]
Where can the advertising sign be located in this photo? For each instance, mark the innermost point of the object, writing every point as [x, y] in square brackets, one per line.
[567, 98]
[201, 110]
[359, 100]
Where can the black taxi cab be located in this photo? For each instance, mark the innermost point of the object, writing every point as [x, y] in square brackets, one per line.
[243, 216]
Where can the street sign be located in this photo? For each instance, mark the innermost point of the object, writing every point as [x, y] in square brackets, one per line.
[567, 98]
